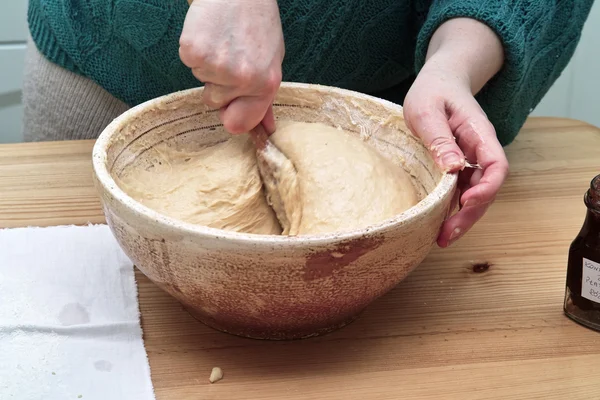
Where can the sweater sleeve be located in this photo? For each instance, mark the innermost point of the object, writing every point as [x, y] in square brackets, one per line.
[539, 39]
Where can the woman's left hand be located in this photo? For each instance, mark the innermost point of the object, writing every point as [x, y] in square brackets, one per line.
[440, 108]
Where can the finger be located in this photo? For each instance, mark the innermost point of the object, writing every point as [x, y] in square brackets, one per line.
[188, 51]
[269, 120]
[454, 203]
[480, 135]
[476, 176]
[211, 75]
[243, 114]
[465, 180]
[198, 51]
[196, 55]
[271, 87]
[489, 184]
[463, 185]
[225, 70]
[219, 96]
[460, 223]
[465, 177]
[433, 129]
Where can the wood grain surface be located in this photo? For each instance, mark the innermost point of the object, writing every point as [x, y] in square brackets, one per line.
[449, 331]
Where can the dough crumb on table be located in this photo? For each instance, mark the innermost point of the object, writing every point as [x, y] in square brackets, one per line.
[344, 182]
[216, 375]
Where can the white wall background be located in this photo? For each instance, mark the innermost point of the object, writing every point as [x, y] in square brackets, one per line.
[13, 34]
[574, 94]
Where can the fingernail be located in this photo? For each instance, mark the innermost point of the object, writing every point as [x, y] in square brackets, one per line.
[454, 235]
[471, 203]
[451, 160]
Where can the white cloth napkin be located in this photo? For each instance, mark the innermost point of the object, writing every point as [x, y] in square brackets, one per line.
[69, 317]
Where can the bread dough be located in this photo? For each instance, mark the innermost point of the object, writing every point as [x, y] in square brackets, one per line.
[344, 183]
[218, 187]
[280, 182]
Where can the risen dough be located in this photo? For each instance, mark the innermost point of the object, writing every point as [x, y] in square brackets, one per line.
[218, 186]
[344, 183]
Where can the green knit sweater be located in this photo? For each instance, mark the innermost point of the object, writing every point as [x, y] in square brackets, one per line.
[130, 47]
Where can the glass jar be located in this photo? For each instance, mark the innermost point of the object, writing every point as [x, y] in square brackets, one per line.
[582, 293]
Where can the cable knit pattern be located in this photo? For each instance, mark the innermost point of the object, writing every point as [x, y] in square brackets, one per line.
[130, 47]
[539, 38]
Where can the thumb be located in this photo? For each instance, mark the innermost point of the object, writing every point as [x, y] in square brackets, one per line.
[269, 120]
[433, 129]
[244, 113]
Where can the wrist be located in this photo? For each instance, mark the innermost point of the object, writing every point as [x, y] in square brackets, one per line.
[468, 49]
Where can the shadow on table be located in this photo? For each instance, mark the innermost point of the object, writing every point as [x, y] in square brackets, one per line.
[396, 332]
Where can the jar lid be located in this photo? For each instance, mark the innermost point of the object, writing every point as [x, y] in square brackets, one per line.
[593, 194]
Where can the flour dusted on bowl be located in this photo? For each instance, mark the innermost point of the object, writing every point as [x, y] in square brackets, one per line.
[344, 183]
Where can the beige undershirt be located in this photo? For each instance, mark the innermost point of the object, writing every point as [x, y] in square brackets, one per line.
[344, 183]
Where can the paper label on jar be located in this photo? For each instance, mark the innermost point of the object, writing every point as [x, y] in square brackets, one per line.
[590, 280]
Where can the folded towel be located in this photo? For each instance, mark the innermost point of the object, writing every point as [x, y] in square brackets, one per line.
[69, 317]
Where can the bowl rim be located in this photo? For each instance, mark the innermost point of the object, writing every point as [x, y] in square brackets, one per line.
[99, 156]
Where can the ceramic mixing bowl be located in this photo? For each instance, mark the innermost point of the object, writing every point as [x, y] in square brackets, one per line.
[260, 286]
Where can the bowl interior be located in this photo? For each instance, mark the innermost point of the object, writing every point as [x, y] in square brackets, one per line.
[181, 121]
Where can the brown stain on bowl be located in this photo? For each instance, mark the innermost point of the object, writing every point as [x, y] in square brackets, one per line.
[323, 264]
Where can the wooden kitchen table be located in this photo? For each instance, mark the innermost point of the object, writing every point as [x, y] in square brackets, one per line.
[451, 330]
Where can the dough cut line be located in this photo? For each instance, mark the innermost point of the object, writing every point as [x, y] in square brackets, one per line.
[280, 180]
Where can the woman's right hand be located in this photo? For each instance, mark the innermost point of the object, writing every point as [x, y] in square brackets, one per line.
[236, 48]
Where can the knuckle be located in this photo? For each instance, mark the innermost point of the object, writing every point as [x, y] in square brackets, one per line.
[430, 108]
[197, 72]
[208, 100]
[504, 168]
[416, 116]
[441, 142]
[184, 56]
[490, 127]
[234, 126]
[484, 127]
[220, 64]
[480, 126]
[211, 97]
[185, 41]
[212, 104]
[192, 54]
[273, 81]
[245, 74]
[422, 115]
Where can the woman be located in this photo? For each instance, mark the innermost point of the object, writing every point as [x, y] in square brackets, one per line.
[467, 72]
